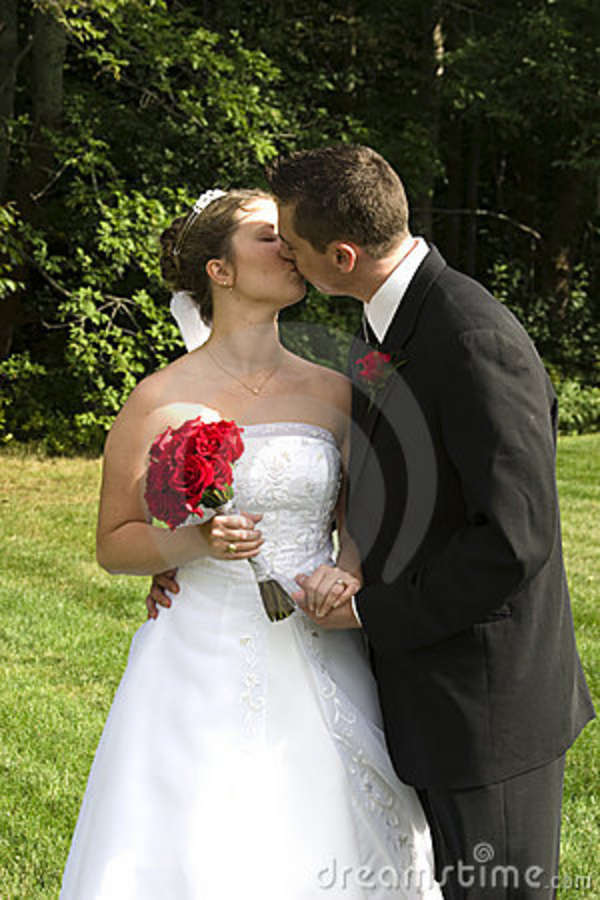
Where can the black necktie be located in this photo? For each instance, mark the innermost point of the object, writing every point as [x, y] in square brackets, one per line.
[368, 334]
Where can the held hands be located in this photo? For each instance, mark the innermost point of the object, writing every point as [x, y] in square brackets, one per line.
[325, 596]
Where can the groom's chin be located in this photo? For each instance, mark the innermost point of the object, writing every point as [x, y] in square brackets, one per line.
[329, 290]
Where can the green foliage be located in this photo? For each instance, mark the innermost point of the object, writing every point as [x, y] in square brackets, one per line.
[28, 411]
[321, 328]
[12, 251]
[579, 407]
[164, 100]
[171, 108]
[567, 336]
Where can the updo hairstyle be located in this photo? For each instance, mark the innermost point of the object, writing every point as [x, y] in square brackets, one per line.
[191, 240]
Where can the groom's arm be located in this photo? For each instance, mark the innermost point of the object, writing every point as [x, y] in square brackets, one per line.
[496, 416]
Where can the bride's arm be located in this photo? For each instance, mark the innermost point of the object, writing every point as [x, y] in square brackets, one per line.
[126, 540]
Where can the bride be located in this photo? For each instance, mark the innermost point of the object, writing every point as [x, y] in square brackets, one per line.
[241, 757]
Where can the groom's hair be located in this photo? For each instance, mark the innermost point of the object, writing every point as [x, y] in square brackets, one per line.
[345, 192]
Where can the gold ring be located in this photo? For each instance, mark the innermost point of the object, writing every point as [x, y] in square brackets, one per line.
[231, 548]
[341, 581]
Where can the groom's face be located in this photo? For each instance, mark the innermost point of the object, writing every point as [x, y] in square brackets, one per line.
[318, 268]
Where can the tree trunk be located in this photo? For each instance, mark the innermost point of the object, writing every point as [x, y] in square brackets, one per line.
[455, 196]
[472, 197]
[433, 71]
[8, 73]
[47, 75]
[575, 203]
[49, 48]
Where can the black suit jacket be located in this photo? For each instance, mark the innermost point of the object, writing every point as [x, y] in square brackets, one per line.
[453, 505]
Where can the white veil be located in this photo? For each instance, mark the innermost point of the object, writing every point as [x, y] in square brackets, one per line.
[187, 315]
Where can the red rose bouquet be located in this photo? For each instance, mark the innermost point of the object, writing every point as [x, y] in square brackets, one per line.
[190, 468]
[190, 473]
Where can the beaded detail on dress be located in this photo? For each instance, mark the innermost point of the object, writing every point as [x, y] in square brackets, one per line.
[290, 473]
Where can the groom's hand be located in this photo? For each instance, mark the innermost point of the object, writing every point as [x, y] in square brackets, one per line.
[326, 596]
[163, 581]
[341, 617]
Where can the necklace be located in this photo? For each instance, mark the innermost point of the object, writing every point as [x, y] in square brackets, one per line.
[253, 390]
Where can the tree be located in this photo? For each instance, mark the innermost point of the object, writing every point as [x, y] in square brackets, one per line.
[8, 71]
[117, 113]
[199, 108]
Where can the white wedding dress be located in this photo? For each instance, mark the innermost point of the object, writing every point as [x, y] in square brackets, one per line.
[244, 758]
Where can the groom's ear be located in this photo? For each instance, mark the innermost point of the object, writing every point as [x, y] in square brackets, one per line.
[343, 256]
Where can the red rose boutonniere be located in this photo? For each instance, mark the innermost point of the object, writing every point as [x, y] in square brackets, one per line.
[374, 369]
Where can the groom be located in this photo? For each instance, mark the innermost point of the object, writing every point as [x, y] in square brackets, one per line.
[453, 505]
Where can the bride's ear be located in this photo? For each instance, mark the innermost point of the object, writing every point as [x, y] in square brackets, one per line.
[219, 273]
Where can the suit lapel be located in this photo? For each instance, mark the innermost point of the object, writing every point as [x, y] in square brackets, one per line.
[399, 333]
[407, 315]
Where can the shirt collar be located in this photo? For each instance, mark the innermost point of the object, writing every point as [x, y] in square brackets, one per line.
[382, 307]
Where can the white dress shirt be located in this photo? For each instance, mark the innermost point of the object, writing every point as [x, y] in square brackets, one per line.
[383, 305]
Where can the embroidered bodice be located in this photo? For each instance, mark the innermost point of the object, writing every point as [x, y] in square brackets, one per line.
[290, 473]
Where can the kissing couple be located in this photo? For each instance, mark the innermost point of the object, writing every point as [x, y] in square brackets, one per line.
[403, 732]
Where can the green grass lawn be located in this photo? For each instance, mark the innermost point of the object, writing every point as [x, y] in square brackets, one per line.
[65, 628]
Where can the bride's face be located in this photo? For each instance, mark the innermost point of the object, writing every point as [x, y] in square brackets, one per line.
[260, 273]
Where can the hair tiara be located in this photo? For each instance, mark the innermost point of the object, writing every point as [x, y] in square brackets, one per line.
[199, 206]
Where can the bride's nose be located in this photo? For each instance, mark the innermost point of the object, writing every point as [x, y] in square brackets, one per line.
[285, 252]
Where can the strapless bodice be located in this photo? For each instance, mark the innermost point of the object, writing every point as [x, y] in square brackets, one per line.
[290, 473]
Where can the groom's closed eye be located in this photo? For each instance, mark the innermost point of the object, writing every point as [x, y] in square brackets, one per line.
[287, 251]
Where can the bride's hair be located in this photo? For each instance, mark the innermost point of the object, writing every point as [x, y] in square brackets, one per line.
[191, 240]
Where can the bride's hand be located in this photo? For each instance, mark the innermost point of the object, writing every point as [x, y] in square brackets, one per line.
[327, 588]
[233, 537]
